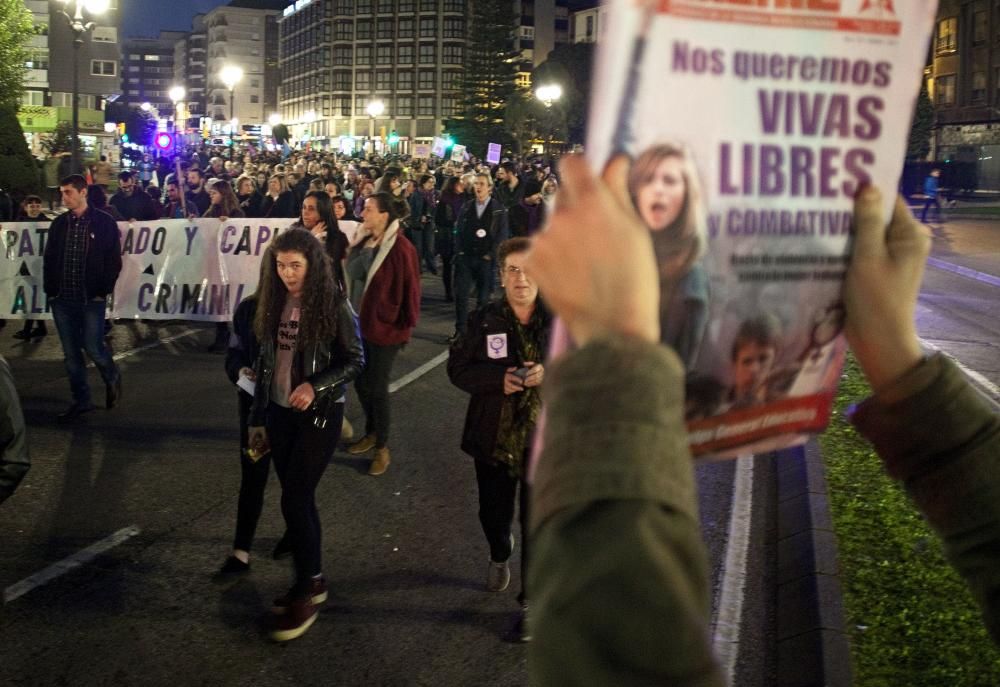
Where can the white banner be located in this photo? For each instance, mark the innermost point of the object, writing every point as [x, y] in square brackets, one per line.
[171, 269]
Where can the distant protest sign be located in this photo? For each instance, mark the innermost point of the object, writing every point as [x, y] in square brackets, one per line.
[458, 153]
[440, 147]
[421, 150]
[493, 153]
[171, 269]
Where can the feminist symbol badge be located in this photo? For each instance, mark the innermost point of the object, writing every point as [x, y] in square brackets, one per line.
[496, 346]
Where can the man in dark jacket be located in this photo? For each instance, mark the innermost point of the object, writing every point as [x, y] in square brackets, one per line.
[197, 199]
[14, 458]
[480, 229]
[132, 202]
[81, 264]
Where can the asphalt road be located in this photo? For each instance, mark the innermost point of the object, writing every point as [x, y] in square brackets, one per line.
[403, 553]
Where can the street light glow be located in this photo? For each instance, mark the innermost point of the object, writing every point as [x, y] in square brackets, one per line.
[549, 93]
[96, 6]
[231, 75]
[274, 119]
[376, 108]
[145, 107]
[177, 94]
[310, 116]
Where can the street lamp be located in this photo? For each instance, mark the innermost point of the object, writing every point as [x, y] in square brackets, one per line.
[146, 107]
[549, 93]
[375, 109]
[80, 28]
[231, 75]
[274, 119]
[176, 95]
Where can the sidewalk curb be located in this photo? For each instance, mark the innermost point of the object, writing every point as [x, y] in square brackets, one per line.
[812, 645]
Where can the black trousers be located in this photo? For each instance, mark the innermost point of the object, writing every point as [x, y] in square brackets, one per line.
[253, 481]
[373, 389]
[498, 491]
[301, 452]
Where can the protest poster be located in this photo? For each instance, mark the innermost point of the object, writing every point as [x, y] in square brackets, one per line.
[749, 127]
[493, 153]
[458, 153]
[421, 150]
[439, 148]
[173, 269]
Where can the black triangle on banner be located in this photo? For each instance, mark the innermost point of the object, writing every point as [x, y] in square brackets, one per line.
[149, 270]
[24, 272]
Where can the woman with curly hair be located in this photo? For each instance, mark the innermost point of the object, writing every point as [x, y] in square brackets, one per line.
[310, 350]
[664, 186]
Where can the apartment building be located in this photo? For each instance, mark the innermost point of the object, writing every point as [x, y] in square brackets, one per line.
[148, 70]
[191, 66]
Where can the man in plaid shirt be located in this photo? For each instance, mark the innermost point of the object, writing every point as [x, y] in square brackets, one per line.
[81, 265]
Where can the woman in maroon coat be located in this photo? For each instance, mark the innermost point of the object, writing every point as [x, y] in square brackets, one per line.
[384, 278]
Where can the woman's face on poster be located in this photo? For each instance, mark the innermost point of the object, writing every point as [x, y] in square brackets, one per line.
[661, 198]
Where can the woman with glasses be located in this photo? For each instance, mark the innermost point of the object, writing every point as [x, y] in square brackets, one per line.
[499, 361]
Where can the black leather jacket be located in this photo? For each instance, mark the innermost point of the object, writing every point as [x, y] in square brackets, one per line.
[329, 366]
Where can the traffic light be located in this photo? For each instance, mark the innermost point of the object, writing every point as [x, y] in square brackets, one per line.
[393, 138]
[164, 141]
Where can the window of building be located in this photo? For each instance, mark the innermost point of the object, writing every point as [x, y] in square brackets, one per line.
[385, 6]
[405, 29]
[363, 80]
[427, 53]
[404, 106]
[590, 27]
[979, 27]
[428, 27]
[133, 56]
[361, 106]
[343, 55]
[364, 7]
[407, 6]
[454, 28]
[425, 106]
[450, 106]
[33, 98]
[383, 53]
[405, 54]
[103, 68]
[386, 30]
[452, 54]
[151, 58]
[978, 87]
[133, 68]
[426, 80]
[454, 6]
[341, 81]
[944, 90]
[383, 81]
[363, 55]
[428, 5]
[342, 105]
[255, 99]
[527, 32]
[947, 35]
[404, 80]
[364, 30]
[254, 83]
[343, 30]
[451, 79]
[344, 7]
[133, 92]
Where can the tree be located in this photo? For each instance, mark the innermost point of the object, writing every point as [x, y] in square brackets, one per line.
[18, 171]
[17, 27]
[489, 81]
[60, 141]
[140, 126]
[921, 128]
[529, 120]
[570, 66]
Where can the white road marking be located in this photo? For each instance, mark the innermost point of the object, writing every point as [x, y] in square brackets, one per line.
[726, 640]
[418, 373]
[19, 589]
[964, 271]
[154, 344]
[988, 387]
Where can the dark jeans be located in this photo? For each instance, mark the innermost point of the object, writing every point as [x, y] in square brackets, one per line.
[447, 270]
[253, 481]
[471, 272]
[373, 390]
[497, 492]
[301, 452]
[936, 202]
[423, 241]
[81, 328]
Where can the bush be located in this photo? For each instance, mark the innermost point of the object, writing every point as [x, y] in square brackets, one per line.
[18, 170]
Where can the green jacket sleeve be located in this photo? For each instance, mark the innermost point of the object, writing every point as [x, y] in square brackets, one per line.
[937, 435]
[618, 574]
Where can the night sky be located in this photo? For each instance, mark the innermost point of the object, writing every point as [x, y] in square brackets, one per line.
[149, 17]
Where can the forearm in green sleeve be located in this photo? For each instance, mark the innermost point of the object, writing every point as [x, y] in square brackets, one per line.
[938, 436]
